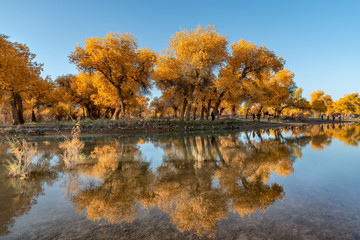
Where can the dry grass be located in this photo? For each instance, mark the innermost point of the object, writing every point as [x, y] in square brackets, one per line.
[24, 152]
[72, 148]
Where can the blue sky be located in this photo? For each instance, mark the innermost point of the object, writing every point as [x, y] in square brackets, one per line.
[320, 40]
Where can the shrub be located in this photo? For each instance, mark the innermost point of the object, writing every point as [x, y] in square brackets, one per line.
[72, 148]
[24, 153]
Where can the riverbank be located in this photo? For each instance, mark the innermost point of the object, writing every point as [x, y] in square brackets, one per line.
[133, 126]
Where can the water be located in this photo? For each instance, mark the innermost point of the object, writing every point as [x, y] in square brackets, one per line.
[290, 183]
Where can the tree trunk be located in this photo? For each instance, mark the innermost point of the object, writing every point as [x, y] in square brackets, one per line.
[121, 101]
[278, 112]
[122, 105]
[281, 109]
[194, 113]
[220, 112]
[93, 112]
[202, 112]
[127, 110]
[107, 110]
[116, 113]
[202, 109]
[69, 117]
[191, 102]
[218, 102]
[33, 117]
[188, 111]
[182, 113]
[233, 110]
[88, 111]
[17, 109]
[111, 113]
[39, 117]
[247, 112]
[175, 112]
[208, 110]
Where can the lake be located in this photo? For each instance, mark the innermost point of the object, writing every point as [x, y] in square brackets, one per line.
[285, 183]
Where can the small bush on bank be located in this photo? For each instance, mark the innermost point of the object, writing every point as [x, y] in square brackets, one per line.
[72, 148]
[23, 163]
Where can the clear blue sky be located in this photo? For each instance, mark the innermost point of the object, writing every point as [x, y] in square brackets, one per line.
[320, 40]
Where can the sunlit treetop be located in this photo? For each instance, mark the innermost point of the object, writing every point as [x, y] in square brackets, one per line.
[202, 47]
[119, 60]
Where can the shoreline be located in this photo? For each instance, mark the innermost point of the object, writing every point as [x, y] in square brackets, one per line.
[166, 126]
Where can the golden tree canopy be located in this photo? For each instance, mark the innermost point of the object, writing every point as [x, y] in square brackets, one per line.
[119, 60]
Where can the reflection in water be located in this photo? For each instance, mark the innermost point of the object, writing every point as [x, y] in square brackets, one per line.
[125, 183]
[17, 197]
[202, 178]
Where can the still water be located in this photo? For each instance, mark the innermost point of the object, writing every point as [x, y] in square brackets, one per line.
[289, 183]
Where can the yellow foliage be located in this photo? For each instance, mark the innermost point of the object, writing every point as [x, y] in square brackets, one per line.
[120, 63]
[187, 67]
[19, 74]
[321, 102]
[107, 161]
[24, 158]
[72, 148]
[349, 104]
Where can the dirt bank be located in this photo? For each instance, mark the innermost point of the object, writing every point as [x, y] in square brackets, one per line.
[151, 126]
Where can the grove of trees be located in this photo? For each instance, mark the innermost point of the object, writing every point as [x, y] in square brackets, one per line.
[199, 72]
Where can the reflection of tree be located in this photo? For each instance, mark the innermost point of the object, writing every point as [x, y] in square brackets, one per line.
[349, 134]
[201, 177]
[18, 196]
[320, 141]
[248, 165]
[232, 173]
[188, 194]
[126, 182]
[107, 160]
[116, 199]
[251, 159]
[322, 135]
[253, 196]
